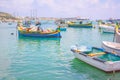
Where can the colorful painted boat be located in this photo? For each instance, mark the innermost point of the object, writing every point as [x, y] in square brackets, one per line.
[63, 29]
[111, 47]
[98, 58]
[27, 32]
[88, 25]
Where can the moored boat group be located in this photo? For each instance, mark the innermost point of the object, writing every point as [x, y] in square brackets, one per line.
[106, 58]
[35, 30]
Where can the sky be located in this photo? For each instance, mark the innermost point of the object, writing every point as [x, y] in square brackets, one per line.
[93, 9]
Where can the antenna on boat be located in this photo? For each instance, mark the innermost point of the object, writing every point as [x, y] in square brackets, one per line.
[115, 31]
[114, 34]
[16, 29]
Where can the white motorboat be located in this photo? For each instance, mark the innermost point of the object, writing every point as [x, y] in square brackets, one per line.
[111, 47]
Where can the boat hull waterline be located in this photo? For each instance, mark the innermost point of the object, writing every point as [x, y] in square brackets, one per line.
[56, 34]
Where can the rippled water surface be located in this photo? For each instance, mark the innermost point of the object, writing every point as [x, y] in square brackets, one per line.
[49, 58]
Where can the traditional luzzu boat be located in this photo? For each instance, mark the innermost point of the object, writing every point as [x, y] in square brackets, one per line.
[80, 25]
[62, 25]
[97, 57]
[36, 32]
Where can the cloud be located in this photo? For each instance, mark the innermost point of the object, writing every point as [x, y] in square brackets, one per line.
[59, 8]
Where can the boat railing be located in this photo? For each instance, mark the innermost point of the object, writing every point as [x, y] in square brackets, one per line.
[83, 54]
[101, 49]
[98, 59]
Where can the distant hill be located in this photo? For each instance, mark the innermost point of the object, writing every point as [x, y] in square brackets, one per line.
[4, 15]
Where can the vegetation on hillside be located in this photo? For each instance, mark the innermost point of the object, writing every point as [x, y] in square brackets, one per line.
[4, 15]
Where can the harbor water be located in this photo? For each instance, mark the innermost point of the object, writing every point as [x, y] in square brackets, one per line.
[25, 58]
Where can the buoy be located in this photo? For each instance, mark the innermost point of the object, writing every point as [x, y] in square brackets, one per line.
[12, 33]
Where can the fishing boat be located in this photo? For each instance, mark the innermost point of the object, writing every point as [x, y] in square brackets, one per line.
[98, 58]
[36, 32]
[62, 25]
[63, 28]
[107, 28]
[80, 25]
